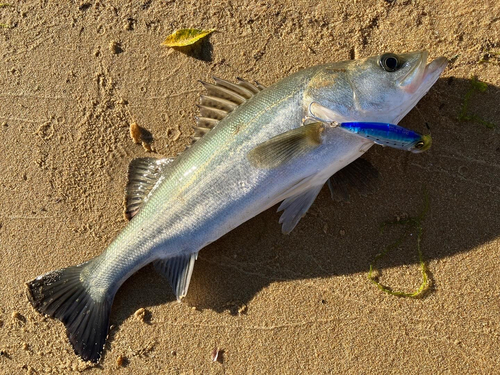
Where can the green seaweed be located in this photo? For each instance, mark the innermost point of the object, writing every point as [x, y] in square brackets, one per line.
[464, 115]
[409, 224]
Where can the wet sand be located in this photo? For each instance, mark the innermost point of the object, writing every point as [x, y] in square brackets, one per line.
[75, 76]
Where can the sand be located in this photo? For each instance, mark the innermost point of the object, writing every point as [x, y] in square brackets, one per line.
[75, 75]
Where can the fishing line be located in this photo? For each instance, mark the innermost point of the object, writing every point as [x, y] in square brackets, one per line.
[423, 118]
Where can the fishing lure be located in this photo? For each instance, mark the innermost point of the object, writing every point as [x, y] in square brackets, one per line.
[382, 133]
[391, 135]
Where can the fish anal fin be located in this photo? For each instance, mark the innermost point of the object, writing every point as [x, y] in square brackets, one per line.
[360, 175]
[178, 271]
[143, 174]
[295, 207]
[287, 146]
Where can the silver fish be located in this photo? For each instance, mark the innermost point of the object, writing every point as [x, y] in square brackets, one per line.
[260, 148]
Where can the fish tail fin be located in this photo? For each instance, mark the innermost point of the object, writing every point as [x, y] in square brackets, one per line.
[61, 294]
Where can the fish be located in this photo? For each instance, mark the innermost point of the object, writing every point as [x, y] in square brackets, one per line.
[254, 147]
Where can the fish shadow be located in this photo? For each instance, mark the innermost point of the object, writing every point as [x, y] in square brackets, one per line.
[460, 175]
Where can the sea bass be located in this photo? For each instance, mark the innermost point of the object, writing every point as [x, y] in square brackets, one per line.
[257, 147]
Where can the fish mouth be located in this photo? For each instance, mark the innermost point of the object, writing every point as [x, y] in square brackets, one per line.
[419, 80]
[432, 72]
[422, 75]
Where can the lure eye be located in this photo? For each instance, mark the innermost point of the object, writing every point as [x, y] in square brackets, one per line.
[389, 62]
[419, 144]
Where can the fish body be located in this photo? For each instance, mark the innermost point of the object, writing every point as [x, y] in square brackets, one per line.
[262, 150]
[391, 135]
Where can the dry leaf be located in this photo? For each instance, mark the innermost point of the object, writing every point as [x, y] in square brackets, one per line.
[185, 37]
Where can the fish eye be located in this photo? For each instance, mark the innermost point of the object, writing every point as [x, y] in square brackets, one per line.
[389, 62]
[419, 144]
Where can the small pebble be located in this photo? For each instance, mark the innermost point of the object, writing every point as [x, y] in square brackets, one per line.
[121, 361]
[242, 310]
[140, 314]
[215, 354]
[115, 47]
[135, 133]
[16, 316]
[403, 216]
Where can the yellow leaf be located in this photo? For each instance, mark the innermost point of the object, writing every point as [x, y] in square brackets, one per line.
[185, 37]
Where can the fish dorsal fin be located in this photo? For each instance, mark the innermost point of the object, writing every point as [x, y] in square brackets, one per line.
[360, 175]
[178, 271]
[222, 98]
[143, 174]
[295, 207]
[286, 146]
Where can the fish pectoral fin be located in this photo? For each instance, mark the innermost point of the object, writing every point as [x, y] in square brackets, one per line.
[295, 207]
[178, 271]
[143, 174]
[360, 175]
[287, 146]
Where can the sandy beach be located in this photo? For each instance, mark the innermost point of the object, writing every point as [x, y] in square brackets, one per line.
[75, 75]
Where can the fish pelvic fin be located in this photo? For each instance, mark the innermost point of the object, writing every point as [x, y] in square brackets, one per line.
[61, 294]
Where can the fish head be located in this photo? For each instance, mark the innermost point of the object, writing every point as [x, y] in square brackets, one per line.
[381, 88]
[395, 83]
